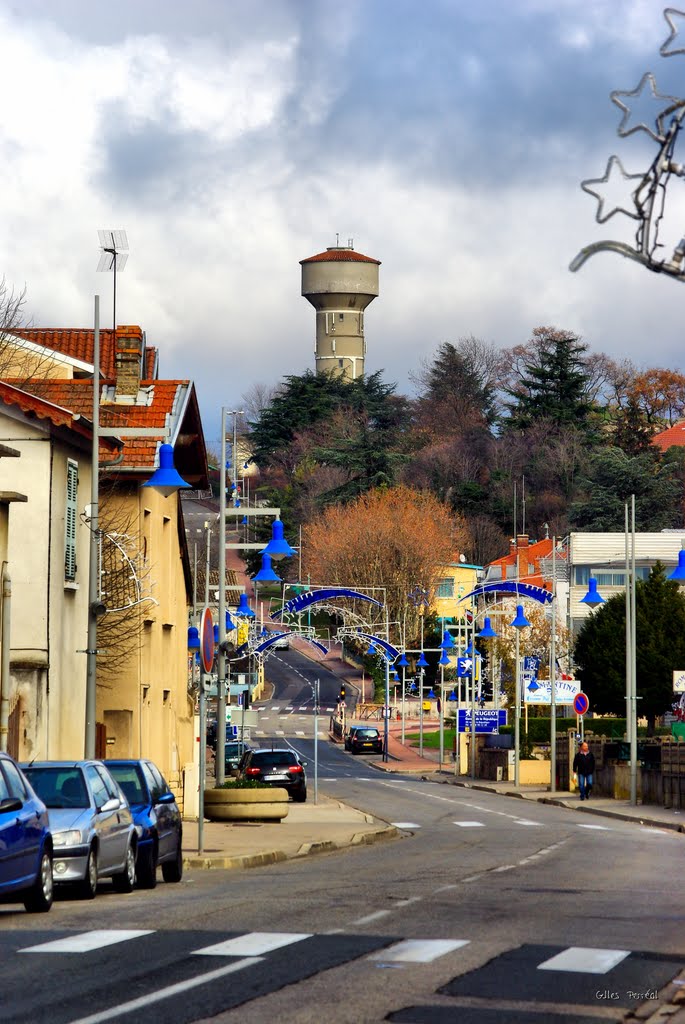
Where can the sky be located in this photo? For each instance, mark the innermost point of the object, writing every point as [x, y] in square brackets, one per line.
[231, 139]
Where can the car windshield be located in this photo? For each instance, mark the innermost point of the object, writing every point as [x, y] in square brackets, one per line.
[367, 734]
[235, 748]
[274, 757]
[130, 779]
[59, 787]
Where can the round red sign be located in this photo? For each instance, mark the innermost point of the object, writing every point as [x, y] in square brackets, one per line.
[207, 640]
[580, 703]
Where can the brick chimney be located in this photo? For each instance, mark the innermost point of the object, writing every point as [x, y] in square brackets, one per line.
[128, 361]
[522, 555]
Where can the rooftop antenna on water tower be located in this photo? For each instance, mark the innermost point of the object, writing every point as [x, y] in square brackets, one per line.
[113, 257]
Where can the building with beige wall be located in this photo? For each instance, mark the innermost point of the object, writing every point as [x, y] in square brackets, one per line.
[340, 283]
[144, 704]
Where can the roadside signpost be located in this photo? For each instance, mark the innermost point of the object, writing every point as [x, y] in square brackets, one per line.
[487, 720]
[580, 706]
[207, 661]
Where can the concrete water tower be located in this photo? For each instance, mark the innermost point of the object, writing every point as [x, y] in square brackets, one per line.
[340, 283]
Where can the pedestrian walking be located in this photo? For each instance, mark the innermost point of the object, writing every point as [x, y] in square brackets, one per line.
[584, 767]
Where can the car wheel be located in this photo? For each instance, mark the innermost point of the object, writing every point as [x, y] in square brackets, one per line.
[300, 796]
[172, 871]
[89, 884]
[126, 879]
[38, 899]
[146, 867]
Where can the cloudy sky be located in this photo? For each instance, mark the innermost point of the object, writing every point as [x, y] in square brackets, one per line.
[232, 138]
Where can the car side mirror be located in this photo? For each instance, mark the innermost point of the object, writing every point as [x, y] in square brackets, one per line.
[111, 805]
[304, 763]
[10, 804]
[166, 798]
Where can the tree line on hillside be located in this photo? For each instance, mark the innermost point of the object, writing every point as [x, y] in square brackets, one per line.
[572, 430]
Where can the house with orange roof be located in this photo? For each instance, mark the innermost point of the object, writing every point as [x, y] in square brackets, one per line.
[672, 436]
[523, 562]
[144, 706]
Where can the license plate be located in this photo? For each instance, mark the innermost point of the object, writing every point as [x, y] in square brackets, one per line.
[274, 778]
[367, 744]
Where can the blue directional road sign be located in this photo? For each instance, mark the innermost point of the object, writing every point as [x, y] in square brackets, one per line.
[486, 720]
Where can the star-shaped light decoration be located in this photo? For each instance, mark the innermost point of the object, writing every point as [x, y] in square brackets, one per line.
[660, 134]
[667, 49]
[613, 165]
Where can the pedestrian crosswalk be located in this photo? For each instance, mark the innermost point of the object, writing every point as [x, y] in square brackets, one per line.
[528, 973]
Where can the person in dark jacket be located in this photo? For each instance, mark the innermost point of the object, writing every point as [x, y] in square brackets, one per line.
[584, 766]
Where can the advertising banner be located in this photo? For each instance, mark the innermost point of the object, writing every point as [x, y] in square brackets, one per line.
[539, 691]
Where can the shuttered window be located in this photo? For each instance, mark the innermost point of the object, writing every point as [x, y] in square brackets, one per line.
[70, 521]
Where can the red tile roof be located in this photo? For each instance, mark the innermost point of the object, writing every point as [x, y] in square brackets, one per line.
[529, 555]
[343, 255]
[77, 395]
[78, 344]
[47, 409]
[674, 435]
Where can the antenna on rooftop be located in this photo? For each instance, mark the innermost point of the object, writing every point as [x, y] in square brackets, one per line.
[113, 257]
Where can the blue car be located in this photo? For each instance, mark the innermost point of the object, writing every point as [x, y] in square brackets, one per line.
[25, 842]
[156, 817]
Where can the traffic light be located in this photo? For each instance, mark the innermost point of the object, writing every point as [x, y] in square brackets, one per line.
[246, 698]
[341, 696]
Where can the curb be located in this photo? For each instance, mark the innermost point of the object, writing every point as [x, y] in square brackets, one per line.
[248, 860]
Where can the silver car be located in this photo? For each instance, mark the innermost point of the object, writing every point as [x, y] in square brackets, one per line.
[92, 828]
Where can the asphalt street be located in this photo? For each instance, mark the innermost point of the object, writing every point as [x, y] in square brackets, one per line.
[485, 909]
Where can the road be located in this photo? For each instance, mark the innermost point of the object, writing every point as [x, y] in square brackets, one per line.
[486, 910]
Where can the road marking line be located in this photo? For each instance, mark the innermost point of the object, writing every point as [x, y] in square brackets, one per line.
[444, 888]
[279, 732]
[402, 824]
[87, 941]
[166, 993]
[469, 824]
[504, 867]
[371, 917]
[473, 878]
[275, 709]
[524, 821]
[599, 828]
[585, 960]
[253, 944]
[418, 951]
[300, 733]
[289, 708]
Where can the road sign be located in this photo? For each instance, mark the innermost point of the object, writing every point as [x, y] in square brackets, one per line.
[580, 703]
[679, 681]
[539, 691]
[487, 720]
[207, 640]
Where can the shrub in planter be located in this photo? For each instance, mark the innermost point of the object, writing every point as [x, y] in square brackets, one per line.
[245, 800]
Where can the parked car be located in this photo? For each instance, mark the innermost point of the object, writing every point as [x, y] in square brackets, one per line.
[281, 767]
[363, 739]
[233, 752]
[156, 818]
[282, 644]
[91, 823]
[25, 842]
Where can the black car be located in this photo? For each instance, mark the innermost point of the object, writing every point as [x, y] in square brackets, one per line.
[156, 817]
[363, 739]
[233, 752]
[281, 767]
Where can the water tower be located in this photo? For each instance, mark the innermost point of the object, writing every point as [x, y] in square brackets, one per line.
[340, 283]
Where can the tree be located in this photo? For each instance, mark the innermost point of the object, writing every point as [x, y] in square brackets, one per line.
[660, 648]
[549, 380]
[613, 475]
[391, 538]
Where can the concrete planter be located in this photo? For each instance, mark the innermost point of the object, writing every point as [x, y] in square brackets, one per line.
[246, 804]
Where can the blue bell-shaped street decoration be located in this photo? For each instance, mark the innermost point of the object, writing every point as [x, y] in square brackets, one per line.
[193, 638]
[444, 660]
[216, 632]
[520, 622]
[266, 573]
[430, 695]
[166, 478]
[230, 624]
[422, 663]
[452, 696]
[487, 632]
[447, 641]
[278, 547]
[592, 597]
[243, 610]
[372, 648]
[679, 571]
[402, 661]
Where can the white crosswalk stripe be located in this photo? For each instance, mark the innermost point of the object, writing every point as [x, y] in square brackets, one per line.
[470, 824]
[84, 942]
[418, 951]
[253, 944]
[585, 960]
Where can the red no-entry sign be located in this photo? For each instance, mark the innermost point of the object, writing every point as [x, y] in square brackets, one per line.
[580, 703]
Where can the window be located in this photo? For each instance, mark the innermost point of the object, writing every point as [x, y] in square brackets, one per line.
[16, 783]
[97, 786]
[606, 577]
[70, 521]
[445, 587]
[341, 316]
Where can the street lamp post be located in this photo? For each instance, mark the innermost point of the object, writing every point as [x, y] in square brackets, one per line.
[519, 623]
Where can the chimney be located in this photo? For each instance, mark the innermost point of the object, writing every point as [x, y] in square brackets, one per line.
[512, 546]
[128, 361]
[522, 568]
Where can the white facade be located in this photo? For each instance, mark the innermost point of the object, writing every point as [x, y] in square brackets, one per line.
[603, 556]
[49, 611]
